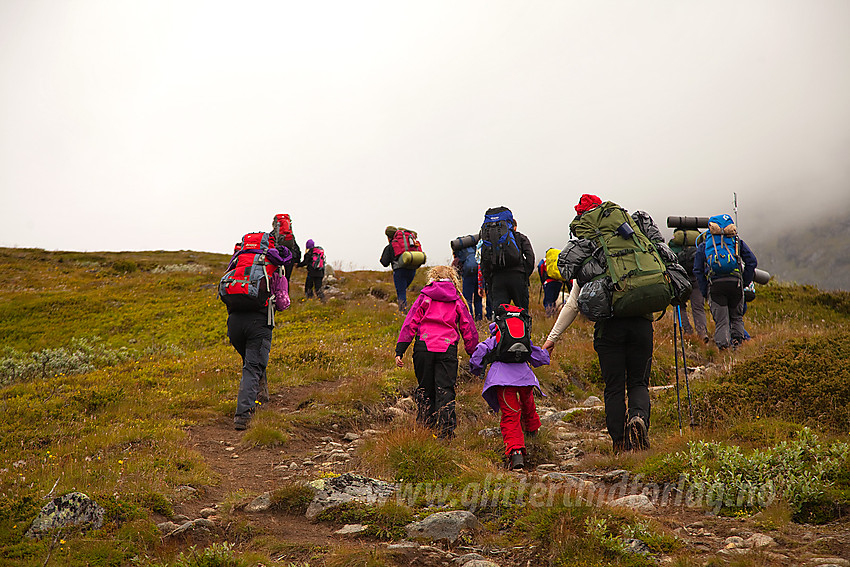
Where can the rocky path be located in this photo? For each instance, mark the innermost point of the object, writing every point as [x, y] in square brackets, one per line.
[248, 474]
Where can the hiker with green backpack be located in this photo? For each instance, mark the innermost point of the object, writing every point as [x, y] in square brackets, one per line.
[624, 274]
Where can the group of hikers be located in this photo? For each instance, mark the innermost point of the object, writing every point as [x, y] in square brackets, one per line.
[618, 270]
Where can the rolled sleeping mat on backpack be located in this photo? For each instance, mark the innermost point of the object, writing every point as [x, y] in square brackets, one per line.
[411, 259]
[761, 276]
[462, 242]
[687, 222]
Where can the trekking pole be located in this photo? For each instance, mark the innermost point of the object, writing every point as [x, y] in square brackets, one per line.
[735, 206]
[685, 366]
[676, 358]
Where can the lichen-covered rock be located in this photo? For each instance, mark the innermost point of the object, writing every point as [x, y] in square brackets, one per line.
[637, 502]
[443, 526]
[260, 504]
[348, 487]
[73, 509]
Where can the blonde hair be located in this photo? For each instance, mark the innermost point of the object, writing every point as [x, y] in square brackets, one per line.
[445, 273]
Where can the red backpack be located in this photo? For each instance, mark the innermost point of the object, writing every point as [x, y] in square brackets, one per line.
[246, 286]
[282, 225]
[513, 334]
[405, 241]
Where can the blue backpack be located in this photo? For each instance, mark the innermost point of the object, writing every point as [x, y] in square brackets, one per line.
[499, 247]
[469, 267]
[721, 246]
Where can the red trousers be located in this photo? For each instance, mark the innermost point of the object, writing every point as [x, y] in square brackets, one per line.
[518, 413]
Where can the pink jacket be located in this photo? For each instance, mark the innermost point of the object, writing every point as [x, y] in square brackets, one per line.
[439, 317]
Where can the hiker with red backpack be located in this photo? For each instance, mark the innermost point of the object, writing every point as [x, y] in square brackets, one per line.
[404, 253]
[622, 277]
[507, 258]
[314, 261]
[724, 265]
[253, 288]
[437, 321]
[284, 238]
[510, 383]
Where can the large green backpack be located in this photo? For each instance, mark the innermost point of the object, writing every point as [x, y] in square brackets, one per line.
[641, 285]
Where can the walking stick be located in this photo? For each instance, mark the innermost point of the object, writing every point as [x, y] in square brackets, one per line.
[685, 366]
[676, 358]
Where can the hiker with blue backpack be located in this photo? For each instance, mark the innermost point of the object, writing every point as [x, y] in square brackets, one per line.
[724, 265]
[507, 258]
[314, 261]
[253, 288]
[466, 264]
[623, 275]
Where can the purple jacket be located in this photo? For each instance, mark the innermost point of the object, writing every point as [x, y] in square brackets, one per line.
[278, 283]
[439, 317]
[505, 373]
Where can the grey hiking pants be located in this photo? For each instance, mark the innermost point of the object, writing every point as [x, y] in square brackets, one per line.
[251, 336]
[697, 302]
[726, 301]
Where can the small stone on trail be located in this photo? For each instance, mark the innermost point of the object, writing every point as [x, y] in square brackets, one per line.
[636, 502]
[260, 504]
[351, 529]
[207, 512]
[591, 402]
[351, 436]
[230, 448]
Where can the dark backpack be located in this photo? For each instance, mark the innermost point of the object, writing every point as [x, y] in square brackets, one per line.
[640, 285]
[468, 265]
[721, 246]
[499, 247]
[246, 286]
[513, 334]
[317, 262]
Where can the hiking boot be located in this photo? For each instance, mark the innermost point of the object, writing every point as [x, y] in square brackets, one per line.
[637, 434]
[240, 422]
[517, 461]
[622, 446]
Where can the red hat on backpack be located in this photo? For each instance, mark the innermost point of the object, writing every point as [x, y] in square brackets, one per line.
[587, 203]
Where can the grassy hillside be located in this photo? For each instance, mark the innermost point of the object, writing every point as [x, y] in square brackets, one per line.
[117, 380]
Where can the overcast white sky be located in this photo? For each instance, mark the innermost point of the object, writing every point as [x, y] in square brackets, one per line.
[173, 125]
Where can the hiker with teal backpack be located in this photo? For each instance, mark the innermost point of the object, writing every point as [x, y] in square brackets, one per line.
[314, 261]
[724, 265]
[624, 274]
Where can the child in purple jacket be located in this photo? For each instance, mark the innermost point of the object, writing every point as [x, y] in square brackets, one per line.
[509, 389]
[438, 319]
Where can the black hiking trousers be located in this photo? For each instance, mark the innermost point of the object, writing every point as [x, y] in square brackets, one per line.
[436, 375]
[507, 286]
[624, 346]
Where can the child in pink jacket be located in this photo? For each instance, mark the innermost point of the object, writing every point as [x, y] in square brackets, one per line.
[438, 319]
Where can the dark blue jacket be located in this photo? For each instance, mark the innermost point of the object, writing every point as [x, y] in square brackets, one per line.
[745, 255]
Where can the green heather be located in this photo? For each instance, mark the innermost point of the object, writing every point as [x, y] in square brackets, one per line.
[107, 358]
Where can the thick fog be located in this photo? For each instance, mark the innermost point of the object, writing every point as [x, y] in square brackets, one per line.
[182, 125]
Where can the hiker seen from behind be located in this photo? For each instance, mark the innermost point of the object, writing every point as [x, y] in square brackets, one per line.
[507, 258]
[404, 254]
[724, 265]
[437, 321]
[253, 288]
[314, 262]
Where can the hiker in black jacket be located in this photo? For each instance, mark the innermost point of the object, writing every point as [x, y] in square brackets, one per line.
[510, 283]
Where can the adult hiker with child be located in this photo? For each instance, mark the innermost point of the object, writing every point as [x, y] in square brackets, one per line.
[510, 383]
[437, 321]
[624, 274]
[724, 265]
[253, 288]
[404, 254]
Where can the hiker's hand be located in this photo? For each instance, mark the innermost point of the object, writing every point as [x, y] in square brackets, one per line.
[398, 361]
[481, 293]
[549, 345]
